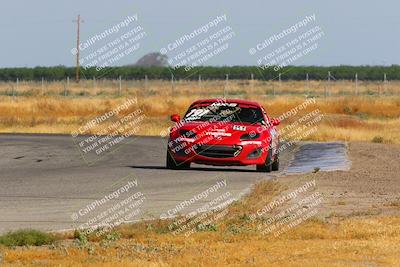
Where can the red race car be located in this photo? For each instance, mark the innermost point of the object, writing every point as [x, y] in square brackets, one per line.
[226, 133]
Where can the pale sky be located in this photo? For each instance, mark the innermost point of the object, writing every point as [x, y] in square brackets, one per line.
[41, 32]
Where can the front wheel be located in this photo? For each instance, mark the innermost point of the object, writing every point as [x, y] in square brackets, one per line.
[267, 165]
[172, 164]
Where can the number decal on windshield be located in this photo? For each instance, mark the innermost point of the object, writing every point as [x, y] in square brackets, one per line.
[195, 113]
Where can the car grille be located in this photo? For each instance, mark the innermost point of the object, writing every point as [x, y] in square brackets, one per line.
[218, 151]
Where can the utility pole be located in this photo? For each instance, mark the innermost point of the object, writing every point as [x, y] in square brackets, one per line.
[78, 22]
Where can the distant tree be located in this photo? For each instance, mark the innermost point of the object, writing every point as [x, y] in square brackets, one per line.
[154, 66]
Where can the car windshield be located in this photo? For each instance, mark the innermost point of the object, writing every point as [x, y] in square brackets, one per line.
[231, 112]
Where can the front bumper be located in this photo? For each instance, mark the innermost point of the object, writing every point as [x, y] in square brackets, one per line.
[227, 154]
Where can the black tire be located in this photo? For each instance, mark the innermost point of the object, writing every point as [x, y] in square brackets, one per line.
[267, 166]
[172, 164]
[275, 164]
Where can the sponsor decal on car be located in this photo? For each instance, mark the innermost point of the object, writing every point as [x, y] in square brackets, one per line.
[184, 139]
[239, 128]
[243, 143]
[224, 104]
[218, 133]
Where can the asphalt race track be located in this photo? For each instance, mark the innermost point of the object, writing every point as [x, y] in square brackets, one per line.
[46, 183]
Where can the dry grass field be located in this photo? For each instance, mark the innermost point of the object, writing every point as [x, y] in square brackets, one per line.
[349, 242]
[372, 114]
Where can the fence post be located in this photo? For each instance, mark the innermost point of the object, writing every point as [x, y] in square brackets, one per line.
[200, 82]
[12, 90]
[16, 89]
[280, 80]
[252, 82]
[145, 82]
[42, 86]
[356, 80]
[120, 85]
[226, 84]
[328, 89]
[307, 85]
[172, 83]
[384, 82]
[67, 84]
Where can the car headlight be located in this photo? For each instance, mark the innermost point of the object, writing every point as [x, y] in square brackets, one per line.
[249, 136]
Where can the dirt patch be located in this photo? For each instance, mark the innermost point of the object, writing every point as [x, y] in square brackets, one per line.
[370, 187]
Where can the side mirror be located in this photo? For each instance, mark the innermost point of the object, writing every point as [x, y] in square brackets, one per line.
[276, 122]
[175, 118]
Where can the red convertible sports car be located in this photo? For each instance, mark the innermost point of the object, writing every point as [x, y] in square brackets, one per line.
[224, 132]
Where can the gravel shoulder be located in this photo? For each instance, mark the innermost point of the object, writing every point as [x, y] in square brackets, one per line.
[370, 187]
